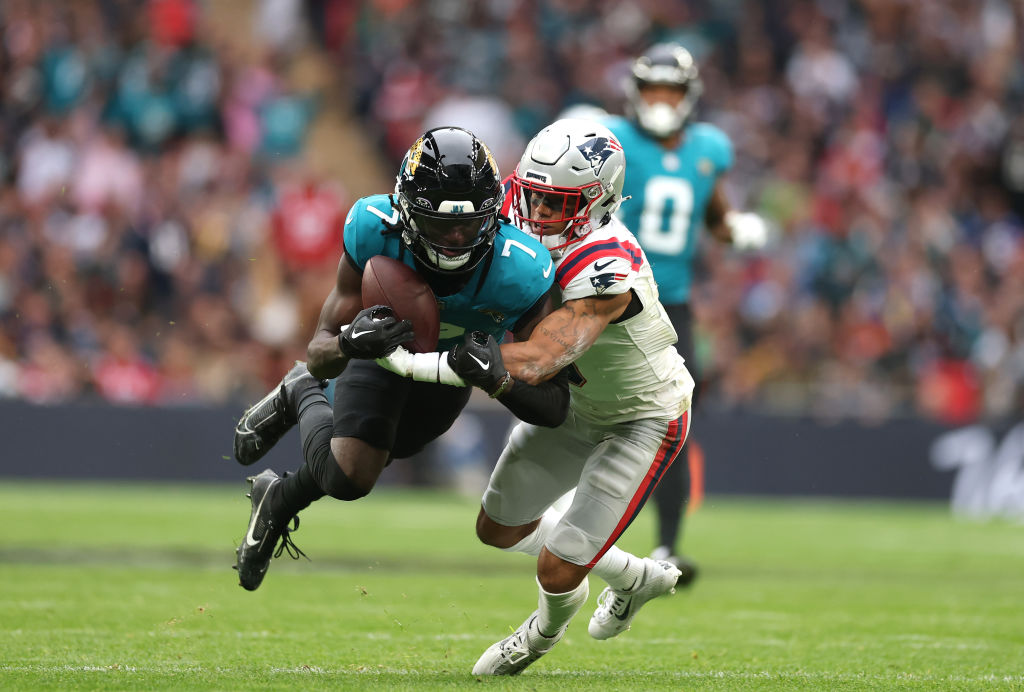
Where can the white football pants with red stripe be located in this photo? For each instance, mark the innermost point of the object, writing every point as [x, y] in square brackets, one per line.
[613, 467]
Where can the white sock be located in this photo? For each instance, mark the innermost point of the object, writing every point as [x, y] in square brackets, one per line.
[555, 610]
[623, 571]
[532, 544]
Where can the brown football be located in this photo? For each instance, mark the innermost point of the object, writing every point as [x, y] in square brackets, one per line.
[389, 282]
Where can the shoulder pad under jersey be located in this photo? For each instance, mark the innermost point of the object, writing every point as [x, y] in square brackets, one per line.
[603, 264]
[365, 225]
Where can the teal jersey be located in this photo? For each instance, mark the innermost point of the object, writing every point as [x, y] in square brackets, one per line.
[669, 192]
[493, 299]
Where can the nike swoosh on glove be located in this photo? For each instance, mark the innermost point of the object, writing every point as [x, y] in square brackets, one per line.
[478, 361]
[374, 333]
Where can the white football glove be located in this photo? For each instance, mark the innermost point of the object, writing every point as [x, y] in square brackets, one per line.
[422, 367]
[749, 231]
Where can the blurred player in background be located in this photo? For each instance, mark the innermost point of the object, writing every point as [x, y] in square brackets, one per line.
[674, 186]
[489, 276]
[629, 411]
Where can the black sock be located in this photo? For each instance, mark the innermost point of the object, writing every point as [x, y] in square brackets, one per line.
[670, 498]
[300, 489]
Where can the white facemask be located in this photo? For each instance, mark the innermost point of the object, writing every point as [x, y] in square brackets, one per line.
[660, 119]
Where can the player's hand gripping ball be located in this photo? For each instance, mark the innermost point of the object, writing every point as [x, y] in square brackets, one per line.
[374, 333]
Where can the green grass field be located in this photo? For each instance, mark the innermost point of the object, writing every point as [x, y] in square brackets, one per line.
[131, 587]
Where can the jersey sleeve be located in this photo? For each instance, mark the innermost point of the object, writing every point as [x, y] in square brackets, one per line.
[607, 267]
[525, 270]
[363, 226]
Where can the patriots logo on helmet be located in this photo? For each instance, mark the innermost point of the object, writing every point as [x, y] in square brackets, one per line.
[602, 282]
[598, 150]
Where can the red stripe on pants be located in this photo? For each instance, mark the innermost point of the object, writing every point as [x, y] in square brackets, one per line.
[667, 453]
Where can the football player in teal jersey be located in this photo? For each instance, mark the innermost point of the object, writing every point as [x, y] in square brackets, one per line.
[443, 220]
[674, 185]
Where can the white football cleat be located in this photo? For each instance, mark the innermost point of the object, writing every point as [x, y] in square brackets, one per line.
[616, 609]
[515, 652]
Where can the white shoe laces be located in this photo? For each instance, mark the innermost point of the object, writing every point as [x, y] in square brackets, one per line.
[618, 599]
[516, 646]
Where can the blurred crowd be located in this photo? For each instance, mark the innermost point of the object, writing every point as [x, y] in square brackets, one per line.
[162, 242]
[157, 227]
[884, 139]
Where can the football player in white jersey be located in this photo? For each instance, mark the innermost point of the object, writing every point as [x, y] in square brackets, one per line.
[630, 398]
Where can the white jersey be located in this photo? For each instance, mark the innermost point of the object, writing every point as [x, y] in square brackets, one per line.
[633, 370]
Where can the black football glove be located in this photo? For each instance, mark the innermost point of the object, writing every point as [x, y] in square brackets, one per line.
[374, 333]
[478, 362]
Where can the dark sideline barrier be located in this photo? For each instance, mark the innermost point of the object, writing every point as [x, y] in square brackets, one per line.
[746, 453]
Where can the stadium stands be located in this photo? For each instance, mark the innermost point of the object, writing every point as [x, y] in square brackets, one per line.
[142, 159]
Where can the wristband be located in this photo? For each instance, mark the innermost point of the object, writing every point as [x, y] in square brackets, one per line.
[422, 367]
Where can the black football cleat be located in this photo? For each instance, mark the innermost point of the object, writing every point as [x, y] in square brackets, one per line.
[265, 423]
[263, 534]
[687, 568]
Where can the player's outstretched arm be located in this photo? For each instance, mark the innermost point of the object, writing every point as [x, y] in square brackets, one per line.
[715, 213]
[562, 336]
[743, 230]
[325, 359]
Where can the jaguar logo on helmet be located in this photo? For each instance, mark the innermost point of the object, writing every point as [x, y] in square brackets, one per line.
[415, 153]
[597, 151]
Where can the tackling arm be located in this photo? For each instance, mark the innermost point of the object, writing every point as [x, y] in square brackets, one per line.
[479, 362]
[562, 336]
[544, 403]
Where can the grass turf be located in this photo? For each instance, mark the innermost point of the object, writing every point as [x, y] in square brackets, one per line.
[130, 587]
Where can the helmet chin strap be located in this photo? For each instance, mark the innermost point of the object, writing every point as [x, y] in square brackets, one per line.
[553, 241]
[557, 242]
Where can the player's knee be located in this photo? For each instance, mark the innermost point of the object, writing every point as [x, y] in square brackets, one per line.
[556, 575]
[339, 486]
[498, 536]
[481, 527]
[571, 544]
[489, 532]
